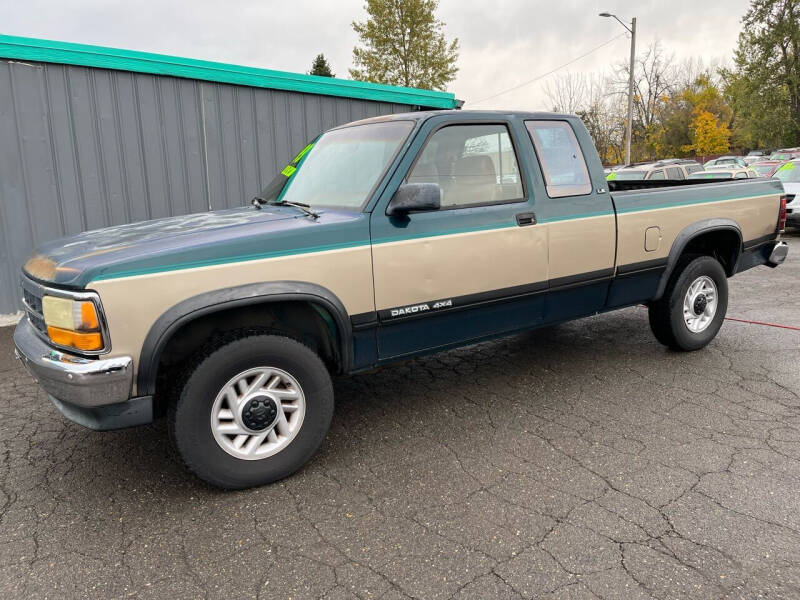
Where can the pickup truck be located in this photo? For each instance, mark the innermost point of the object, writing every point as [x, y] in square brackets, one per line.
[382, 239]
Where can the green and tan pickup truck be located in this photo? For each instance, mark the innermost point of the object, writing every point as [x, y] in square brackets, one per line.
[382, 239]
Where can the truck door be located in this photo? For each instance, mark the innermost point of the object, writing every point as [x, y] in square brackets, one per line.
[579, 217]
[477, 266]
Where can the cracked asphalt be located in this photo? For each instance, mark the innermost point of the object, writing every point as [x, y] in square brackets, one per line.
[580, 461]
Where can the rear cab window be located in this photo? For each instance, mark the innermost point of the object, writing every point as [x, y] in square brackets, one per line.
[561, 158]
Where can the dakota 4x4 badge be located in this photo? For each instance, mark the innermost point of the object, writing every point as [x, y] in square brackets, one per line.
[414, 309]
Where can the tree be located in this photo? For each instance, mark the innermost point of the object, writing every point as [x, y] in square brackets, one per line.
[656, 77]
[671, 135]
[567, 93]
[604, 114]
[321, 67]
[404, 44]
[764, 86]
[708, 135]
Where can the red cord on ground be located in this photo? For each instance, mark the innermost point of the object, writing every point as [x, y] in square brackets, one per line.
[762, 323]
[792, 327]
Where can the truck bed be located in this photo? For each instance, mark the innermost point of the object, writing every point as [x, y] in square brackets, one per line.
[651, 215]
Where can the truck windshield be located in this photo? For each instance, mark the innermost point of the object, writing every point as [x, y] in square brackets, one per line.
[339, 169]
[789, 173]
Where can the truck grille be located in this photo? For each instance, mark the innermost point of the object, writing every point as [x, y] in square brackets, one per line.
[32, 294]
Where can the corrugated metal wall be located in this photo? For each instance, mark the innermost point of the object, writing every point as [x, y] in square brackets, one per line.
[83, 148]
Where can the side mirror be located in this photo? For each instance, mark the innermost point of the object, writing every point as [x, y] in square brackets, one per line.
[415, 197]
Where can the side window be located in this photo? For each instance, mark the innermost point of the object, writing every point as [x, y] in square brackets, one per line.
[675, 173]
[693, 168]
[563, 164]
[657, 174]
[472, 164]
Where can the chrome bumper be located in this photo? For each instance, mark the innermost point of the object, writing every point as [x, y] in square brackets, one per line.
[78, 381]
[778, 254]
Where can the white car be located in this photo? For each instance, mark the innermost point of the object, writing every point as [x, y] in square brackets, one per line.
[731, 162]
[789, 174]
[676, 169]
[725, 173]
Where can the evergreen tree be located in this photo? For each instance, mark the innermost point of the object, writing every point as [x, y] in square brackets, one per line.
[321, 67]
[404, 44]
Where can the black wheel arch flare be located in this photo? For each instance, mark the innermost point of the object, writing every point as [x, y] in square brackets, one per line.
[207, 303]
[692, 232]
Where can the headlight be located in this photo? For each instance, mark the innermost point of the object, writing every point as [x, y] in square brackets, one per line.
[72, 323]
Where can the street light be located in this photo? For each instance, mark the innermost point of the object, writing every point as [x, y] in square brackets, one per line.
[629, 129]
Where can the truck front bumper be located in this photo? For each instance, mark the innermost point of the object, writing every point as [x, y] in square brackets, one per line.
[95, 393]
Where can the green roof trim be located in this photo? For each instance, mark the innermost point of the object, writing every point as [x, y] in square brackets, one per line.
[22, 48]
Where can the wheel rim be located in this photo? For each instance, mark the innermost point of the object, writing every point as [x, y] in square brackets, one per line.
[258, 413]
[700, 304]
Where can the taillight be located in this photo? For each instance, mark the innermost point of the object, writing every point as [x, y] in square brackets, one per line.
[782, 215]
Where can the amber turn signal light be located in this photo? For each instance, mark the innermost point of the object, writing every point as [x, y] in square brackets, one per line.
[76, 339]
[89, 320]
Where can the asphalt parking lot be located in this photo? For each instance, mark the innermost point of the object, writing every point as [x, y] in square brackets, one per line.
[581, 461]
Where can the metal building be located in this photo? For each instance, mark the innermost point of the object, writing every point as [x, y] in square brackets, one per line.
[92, 136]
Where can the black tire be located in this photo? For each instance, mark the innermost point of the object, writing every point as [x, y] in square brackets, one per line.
[666, 314]
[189, 413]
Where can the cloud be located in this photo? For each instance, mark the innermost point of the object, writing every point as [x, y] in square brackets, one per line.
[503, 43]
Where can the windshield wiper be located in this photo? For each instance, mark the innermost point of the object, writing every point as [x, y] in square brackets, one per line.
[306, 208]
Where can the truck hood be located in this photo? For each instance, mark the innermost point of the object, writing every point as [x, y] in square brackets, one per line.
[189, 241]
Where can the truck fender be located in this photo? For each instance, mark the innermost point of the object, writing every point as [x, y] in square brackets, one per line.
[686, 235]
[255, 293]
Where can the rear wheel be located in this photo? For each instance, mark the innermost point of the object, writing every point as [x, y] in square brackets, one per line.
[692, 309]
[252, 410]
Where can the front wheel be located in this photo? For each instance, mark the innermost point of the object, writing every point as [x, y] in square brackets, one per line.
[690, 313]
[251, 411]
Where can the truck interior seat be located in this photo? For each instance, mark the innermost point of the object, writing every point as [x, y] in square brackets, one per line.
[474, 181]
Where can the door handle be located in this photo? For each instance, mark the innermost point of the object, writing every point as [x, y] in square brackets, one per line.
[527, 218]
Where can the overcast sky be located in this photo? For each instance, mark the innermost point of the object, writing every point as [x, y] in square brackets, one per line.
[503, 42]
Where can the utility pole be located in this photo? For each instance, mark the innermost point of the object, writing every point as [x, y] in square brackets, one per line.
[629, 128]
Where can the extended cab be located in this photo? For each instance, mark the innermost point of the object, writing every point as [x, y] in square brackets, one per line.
[382, 239]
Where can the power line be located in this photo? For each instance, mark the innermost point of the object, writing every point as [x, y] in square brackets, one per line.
[542, 76]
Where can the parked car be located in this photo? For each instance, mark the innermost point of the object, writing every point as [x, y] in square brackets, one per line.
[688, 165]
[766, 168]
[789, 174]
[785, 154]
[727, 161]
[665, 169]
[381, 240]
[759, 154]
[715, 172]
